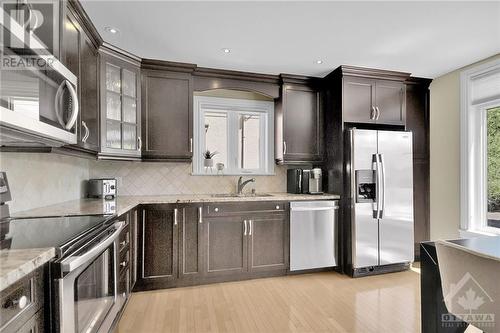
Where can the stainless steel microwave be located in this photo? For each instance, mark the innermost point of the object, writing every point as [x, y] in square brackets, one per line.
[38, 94]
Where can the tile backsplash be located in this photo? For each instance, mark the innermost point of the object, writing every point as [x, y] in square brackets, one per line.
[153, 178]
[38, 180]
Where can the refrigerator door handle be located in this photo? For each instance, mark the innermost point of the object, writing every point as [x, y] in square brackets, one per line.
[376, 202]
[382, 174]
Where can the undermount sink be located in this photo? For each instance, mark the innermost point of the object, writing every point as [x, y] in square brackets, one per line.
[243, 195]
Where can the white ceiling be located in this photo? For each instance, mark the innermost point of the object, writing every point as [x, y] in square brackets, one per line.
[424, 38]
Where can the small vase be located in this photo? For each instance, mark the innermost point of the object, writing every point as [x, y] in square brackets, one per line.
[208, 162]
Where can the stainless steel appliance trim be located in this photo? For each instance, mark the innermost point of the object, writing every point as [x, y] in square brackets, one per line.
[382, 175]
[378, 185]
[306, 209]
[72, 263]
[66, 285]
[75, 106]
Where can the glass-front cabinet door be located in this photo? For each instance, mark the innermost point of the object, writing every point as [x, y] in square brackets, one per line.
[120, 108]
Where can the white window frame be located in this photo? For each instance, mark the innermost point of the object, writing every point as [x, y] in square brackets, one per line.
[480, 91]
[234, 107]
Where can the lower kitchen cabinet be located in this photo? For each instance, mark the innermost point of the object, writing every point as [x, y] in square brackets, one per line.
[226, 250]
[158, 249]
[268, 248]
[187, 244]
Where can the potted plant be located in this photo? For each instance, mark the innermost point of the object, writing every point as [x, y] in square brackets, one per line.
[209, 162]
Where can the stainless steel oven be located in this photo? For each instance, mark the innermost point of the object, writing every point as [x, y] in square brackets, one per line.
[38, 94]
[86, 295]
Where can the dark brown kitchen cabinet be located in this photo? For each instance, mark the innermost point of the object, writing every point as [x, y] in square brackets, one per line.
[158, 234]
[226, 246]
[299, 121]
[243, 239]
[367, 100]
[120, 105]
[133, 222]
[190, 242]
[79, 54]
[417, 121]
[167, 122]
[268, 246]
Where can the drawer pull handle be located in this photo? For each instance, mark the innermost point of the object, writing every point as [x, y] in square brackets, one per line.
[277, 207]
[123, 263]
[216, 209]
[20, 303]
[122, 243]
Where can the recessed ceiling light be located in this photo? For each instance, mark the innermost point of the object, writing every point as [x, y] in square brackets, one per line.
[319, 62]
[112, 30]
[226, 50]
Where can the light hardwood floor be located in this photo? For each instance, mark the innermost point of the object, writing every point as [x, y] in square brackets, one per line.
[318, 302]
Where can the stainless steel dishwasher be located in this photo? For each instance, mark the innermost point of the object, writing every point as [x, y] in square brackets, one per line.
[313, 234]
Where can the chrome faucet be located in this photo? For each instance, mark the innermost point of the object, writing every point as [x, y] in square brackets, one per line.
[241, 184]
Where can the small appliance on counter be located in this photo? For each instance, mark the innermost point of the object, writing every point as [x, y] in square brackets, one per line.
[304, 181]
[103, 188]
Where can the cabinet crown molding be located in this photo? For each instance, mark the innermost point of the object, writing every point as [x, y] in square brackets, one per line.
[236, 75]
[120, 53]
[299, 79]
[171, 66]
[369, 73]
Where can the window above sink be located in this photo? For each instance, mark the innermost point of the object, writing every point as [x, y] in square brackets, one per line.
[239, 131]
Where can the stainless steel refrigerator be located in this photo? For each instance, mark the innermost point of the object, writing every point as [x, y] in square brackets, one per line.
[380, 184]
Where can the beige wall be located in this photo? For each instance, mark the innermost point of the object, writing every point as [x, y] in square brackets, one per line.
[38, 180]
[445, 153]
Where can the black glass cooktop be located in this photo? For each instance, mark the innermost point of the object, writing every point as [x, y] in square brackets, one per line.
[52, 231]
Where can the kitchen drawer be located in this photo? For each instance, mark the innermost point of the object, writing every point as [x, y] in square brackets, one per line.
[21, 301]
[124, 238]
[124, 262]
[239, 208]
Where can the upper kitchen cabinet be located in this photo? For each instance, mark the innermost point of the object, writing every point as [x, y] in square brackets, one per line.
[370, 96]
[167, 104]
[120, 105]
[299, 121]
[79, 54]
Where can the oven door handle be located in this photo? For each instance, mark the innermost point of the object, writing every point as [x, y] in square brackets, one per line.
[74, 262]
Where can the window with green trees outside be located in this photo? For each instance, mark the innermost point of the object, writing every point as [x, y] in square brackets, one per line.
[493, 156]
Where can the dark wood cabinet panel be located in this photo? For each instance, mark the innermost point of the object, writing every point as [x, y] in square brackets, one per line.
[417, 118]
[357, 100]
[159, 243]
[421, 205]
[89, 98]
[299, 121]
[268, 245]
[225, 246]
[133, 218]
[390, 102]
[168, 115]
[190, 242]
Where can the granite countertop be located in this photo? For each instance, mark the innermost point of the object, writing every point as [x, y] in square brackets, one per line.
[123, 204]
[16, 264]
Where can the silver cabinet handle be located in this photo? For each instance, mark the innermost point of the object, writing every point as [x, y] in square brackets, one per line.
[87, 132]
[139, 143]
[378, 112]
[284, 147]
[175, 216]
[123, 264]
[245, 230]
[373, 113]
[200, 214]
[250, 222]
[122, 243]
[190, 145]
[20, 303]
